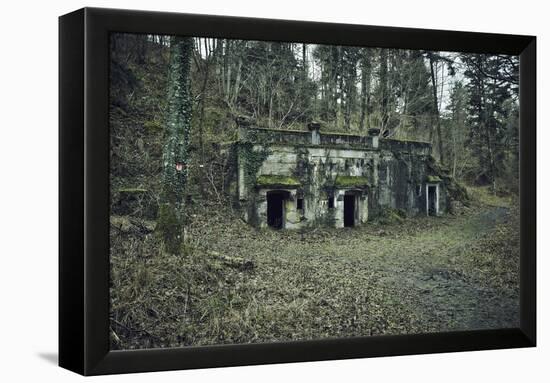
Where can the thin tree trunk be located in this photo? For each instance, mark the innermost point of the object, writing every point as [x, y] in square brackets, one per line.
[206, 72]
[237, 84]
[304, 59]
[384, 87]
[436, 111]
[365, 89]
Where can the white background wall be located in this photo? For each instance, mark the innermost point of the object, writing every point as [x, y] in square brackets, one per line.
[28, 192]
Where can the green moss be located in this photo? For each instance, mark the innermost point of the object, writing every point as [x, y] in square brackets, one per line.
[277, 180]
[351, 181]
[433, 179]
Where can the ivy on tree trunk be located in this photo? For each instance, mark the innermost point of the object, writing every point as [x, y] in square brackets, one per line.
[176, 155]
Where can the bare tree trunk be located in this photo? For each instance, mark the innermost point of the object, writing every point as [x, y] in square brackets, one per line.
[365, 89]
[304, 59]
[237, 84]
[436, 111]
[384, 87]
[206, 72]
[340, 95]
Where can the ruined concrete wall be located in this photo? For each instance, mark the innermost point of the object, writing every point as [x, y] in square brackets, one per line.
[401, 182]
[393, 175]
[316, 169]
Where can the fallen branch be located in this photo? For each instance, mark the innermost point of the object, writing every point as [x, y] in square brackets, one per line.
[234, 262]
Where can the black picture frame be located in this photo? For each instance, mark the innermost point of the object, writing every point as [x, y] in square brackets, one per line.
[84, 190]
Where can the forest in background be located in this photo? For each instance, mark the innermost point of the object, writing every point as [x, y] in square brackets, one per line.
[465, 104]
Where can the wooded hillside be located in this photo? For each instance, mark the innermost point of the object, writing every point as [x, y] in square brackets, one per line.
[466, 105]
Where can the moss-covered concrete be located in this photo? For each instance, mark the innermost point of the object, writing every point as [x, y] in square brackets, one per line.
[277, 181]
[351, 182]
[433, 179]
[318, 172]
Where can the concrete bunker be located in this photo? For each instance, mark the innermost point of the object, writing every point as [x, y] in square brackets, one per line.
[291, 179]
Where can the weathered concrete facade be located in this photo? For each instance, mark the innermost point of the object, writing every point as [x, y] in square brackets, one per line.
[291, 179]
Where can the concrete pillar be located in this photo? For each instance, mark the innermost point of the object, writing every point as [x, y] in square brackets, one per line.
[314, 128]
[339, 208]
[373, 134]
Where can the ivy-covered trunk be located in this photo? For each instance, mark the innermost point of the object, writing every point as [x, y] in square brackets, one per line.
[176, 155]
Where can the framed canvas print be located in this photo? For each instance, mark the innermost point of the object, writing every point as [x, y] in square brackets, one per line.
[244, 191]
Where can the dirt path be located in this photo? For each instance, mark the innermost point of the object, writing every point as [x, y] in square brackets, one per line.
[371, 280]
[460, 300]
[428, 269]
[421, 275]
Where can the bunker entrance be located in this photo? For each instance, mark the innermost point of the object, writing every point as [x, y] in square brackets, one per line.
[275, 211]
[432, 200]
[349, 210]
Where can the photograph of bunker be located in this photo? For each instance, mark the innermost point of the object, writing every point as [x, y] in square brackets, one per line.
[294, 179]
[279, 191]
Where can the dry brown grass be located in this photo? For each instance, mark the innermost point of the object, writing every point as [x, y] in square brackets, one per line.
[418, 275]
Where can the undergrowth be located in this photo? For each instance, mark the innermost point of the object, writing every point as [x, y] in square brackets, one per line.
[409, 275]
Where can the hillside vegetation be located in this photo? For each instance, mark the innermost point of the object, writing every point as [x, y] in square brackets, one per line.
[235, 284]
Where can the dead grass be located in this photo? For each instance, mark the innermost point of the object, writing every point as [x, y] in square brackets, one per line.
[412, 276]
[485, 197]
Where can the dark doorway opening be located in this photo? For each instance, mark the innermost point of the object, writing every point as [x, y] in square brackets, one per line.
[432, 200]
[275, 202]
[349, 210]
